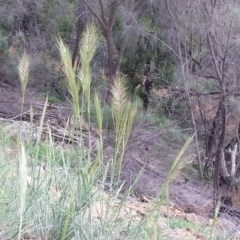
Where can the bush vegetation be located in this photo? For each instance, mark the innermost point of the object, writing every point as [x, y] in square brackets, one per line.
[55, 193]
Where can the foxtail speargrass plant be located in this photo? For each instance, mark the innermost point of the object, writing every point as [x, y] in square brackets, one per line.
[177, 165]
[123, 112]
[98, 109]
[86, 51]
[78, 80]
[39, 132]
[23, 71]
[23, 186]
[163, 196]
[73, 83]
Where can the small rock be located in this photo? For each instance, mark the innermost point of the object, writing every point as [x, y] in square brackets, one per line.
[21, 129]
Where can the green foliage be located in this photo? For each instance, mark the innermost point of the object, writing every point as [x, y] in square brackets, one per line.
[151, 118]
[134, 61]
[164, 71]
[65, 27]
[183, 224]
[54, 100]
[148, 21]
[8, 63]
[151, 62]
[57, 17]
[42, 151]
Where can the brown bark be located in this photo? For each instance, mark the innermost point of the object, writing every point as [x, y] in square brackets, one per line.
[107, 18]
[219, 53]
[213, 138]
[220, 164]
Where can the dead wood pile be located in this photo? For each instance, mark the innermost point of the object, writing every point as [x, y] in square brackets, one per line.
[57, 125]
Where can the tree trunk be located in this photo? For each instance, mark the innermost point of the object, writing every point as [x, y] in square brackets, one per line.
[111, 74]
[213, 138]
[220, 163]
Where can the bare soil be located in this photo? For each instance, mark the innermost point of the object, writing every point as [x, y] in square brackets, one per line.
[150, 148]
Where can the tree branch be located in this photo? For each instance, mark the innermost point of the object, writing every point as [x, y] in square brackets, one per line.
[210, 76]
[95, 15]
[213, 2]
[194, 126]
[226, 51]
[214, 59]
[103, 13]
[166, 45]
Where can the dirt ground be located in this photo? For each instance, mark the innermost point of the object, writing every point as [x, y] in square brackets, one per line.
[149, 148]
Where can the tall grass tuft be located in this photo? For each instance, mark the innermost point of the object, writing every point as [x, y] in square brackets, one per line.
[215, 217]
[98, 109]
[123, 112]
[39, 132]
[86, 51]
[177, 165]
[23, 186]
[23, 71]
[80, 79]
[73, 83]
[150, 219]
